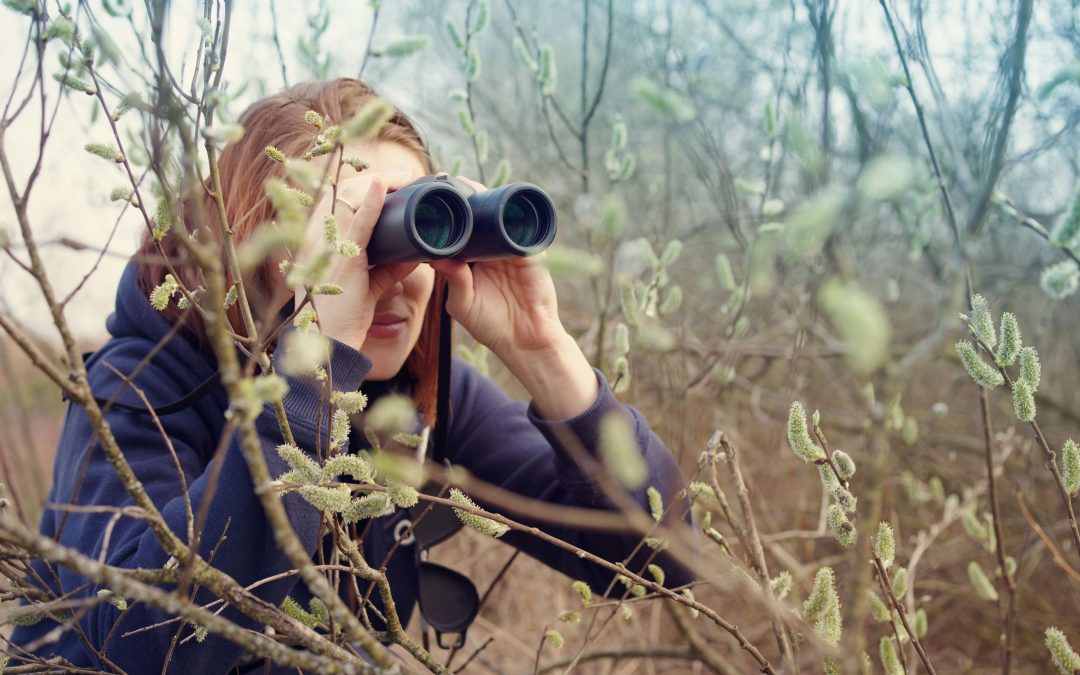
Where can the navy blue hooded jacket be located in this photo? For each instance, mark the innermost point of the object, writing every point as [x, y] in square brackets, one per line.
[501, 441]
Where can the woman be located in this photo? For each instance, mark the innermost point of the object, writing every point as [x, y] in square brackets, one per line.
[383, 330]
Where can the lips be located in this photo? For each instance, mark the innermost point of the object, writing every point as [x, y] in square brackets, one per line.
[387, 318]
[387, 325]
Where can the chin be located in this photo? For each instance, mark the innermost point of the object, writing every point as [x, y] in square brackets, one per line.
[383, 368]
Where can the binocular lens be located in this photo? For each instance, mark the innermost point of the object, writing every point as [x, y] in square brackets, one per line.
[521, 217]
[439, 223]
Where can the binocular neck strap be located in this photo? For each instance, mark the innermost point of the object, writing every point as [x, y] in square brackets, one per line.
[442, 401]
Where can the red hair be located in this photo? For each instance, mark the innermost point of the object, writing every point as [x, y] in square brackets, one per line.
[279, 121]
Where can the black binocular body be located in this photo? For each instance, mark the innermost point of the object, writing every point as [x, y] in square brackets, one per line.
[438, 217]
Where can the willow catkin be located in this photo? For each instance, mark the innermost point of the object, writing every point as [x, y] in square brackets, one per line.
[799, 435]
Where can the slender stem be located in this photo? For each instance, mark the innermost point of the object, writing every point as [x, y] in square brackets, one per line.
[757, 552]
[886, 583]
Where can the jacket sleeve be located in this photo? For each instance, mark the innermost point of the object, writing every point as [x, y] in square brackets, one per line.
[508, 444]
[247, 551]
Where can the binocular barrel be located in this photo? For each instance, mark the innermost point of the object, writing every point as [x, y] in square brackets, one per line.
[440, 217]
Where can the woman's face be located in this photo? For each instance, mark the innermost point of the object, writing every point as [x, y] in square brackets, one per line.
[399, 314]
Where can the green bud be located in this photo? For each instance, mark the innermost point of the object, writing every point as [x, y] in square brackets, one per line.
[162, 219]
[274, 154]
[671, 253]
[105, 151]
[1062, 654]
[555, 638]
[982, 585]
[619, 451]
[1023, 401]
[482, 12]
[293, 609]
[694, 612]
[472, 64]
[1070, 467]
[75, 84]
[582, 589]
[672, 301]
[300, 462]
[354, 466]
[799, 436]
[1061, 279]
[1010, 343]
[656, 503]
[314, 119]
[351, 402]
[319, 610]
[455, 36]
[393, 413]
[548, 73]
[330, 499]
[974, 527]
[885, 544]
[821, 595]
[502, 173]
[889, 659]
[1030, 368]
[1066, 233]
[982, 321]
[830, 624]
[841, 527]
[373, 505]
[117, 601]
[163, 292]
[724, 272]
[878, 608]
[339, 428]
[406, 46]
[781, 585]
[570, 617]
[403, 495]
[622, 339]
[844, 463]
[231, 296]
[657, 573]
[900, 582]
[920, 622]
[120, 194]
[481, 524]
[369, 120]
[985, 375]
[523, 55]
[828, 479]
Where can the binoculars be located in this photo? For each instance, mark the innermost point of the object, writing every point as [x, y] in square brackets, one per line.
[438, 217]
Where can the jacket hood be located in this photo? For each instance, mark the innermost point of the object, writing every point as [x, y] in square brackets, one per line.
[134, 317]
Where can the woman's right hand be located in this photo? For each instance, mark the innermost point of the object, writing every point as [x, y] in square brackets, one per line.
[347, 317]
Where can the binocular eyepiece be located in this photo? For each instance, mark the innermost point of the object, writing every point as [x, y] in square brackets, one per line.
[438, 217]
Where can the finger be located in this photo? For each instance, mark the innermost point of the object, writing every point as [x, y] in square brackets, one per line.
[357, 185]
[479, 187]
[381, 278]
[459, 277]
[361, 223]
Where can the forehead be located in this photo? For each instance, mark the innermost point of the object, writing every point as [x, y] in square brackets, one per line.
[385, 156]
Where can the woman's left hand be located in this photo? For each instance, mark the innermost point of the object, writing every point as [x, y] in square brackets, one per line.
[509, 306]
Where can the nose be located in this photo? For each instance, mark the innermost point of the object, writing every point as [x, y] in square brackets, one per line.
[395, 290]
